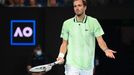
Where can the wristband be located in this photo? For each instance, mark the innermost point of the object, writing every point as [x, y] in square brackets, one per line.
[61, 55]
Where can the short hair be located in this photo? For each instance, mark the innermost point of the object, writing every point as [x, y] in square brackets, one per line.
[84, 2]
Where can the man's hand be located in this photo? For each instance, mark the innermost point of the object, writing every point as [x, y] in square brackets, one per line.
[110, 53]
[61, 60]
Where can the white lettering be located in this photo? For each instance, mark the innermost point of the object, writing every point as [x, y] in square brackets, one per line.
[26, 32]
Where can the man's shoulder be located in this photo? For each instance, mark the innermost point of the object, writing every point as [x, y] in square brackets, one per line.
[91, 18]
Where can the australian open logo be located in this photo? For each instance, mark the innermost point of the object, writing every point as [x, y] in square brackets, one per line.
[23, 32]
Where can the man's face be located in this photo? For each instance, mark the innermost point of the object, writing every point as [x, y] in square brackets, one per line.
[79, 7]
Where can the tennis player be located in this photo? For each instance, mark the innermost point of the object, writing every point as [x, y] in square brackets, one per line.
[79, 34]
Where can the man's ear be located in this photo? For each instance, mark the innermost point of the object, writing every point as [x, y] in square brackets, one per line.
[85, 8]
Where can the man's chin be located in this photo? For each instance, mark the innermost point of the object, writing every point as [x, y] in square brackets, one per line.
[78, 14]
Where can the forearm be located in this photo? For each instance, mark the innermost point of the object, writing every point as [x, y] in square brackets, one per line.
[62, 52]
[102, 44]
[63, 49]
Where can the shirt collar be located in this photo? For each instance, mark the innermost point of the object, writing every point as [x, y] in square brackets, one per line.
[84, 20]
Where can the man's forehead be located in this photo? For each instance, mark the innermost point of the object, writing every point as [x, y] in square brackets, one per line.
[76, 2]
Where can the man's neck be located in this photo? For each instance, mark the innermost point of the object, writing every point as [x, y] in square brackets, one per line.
[80, 18]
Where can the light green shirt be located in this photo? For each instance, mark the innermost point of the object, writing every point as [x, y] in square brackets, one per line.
[81, 41]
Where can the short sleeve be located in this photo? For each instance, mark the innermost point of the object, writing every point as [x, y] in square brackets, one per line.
[64, 31]
[98, 31]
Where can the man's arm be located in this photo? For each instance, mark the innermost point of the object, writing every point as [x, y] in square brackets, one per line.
[63, 47]
[102, 44]
[63, 50]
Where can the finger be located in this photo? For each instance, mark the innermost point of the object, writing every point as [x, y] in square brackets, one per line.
[61, 62]
[114, 51]
[57, 59]
[111, 56]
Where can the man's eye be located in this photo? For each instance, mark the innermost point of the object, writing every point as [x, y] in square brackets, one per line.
[79, 5]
